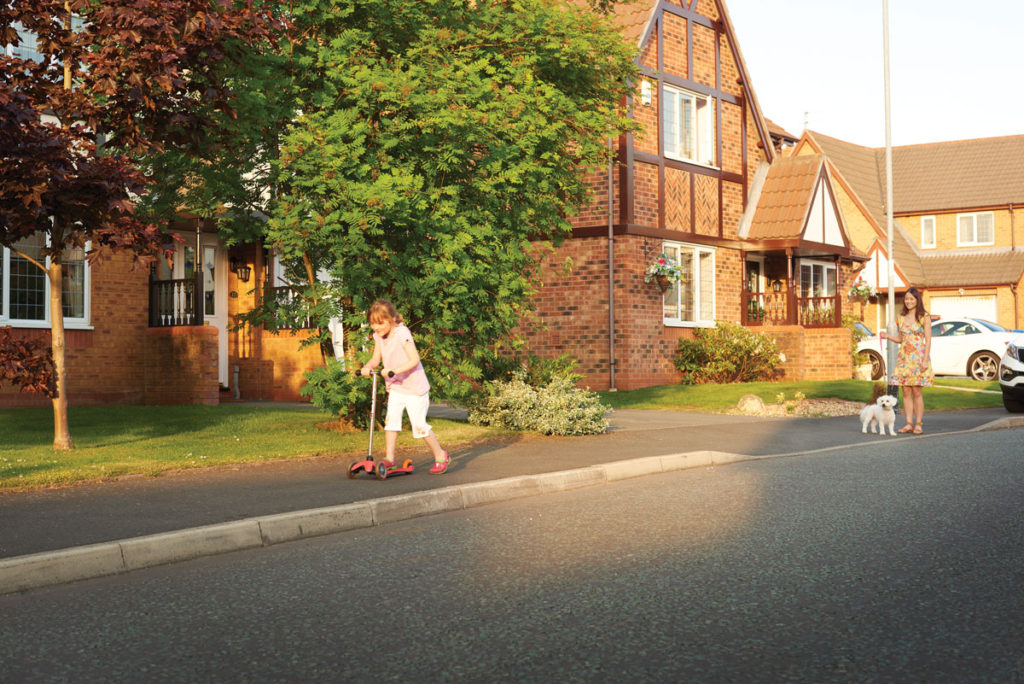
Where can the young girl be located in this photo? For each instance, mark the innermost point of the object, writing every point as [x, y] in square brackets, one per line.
[913, 364]
[408, 389]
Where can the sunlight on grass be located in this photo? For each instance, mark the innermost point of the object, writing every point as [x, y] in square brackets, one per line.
[122, 440]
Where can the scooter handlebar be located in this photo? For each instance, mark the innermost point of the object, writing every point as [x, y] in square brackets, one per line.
[389, 374]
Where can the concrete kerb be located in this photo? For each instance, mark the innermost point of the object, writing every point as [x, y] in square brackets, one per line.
[38, 570]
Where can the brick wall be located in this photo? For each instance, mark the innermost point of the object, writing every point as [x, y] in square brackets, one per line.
[181, 366]
[813, 353]
[104, 364]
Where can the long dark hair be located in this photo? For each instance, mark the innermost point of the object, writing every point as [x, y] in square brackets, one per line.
[919, 312]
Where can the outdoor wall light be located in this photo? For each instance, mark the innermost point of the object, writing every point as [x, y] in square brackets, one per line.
[240, 269]
[777, 285]
[645, 92]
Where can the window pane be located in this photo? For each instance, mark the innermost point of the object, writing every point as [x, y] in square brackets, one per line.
[805, 280]
[28, 282]
[927, 231]
[986, 228]
[707, 286]
[686, 304]
[830, 282]
[670, 122]
[73, 287]
[966, 224]
[209, 279]
[688, 127]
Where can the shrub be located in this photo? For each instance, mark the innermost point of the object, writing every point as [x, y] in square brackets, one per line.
[341, 393]
[555, 408]
[536, 372]
[727, 353]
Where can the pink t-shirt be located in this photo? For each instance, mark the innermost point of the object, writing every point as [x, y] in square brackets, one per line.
[392, 350]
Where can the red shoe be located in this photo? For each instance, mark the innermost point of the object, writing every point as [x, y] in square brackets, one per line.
[441, 466]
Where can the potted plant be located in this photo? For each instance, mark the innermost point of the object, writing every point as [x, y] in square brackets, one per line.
[663, 271]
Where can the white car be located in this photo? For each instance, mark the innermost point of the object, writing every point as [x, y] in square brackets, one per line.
[960, 346]
[1011, 375]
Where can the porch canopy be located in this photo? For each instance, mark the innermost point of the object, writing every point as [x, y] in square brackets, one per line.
[796, 246]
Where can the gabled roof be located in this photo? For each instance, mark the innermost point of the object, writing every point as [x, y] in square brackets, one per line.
[795, 207]
[929, 177]
[636, 18]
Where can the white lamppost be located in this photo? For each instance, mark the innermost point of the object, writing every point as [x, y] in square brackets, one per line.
[891, 327]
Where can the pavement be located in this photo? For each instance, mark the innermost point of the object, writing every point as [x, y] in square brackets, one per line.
[62, 535]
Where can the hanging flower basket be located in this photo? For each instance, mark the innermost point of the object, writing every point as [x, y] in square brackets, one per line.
[860, 291]
[664, 272]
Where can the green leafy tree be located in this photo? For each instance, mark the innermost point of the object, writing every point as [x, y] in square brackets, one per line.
[435, 151]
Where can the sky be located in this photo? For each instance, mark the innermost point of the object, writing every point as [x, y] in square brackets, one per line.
[955, 68]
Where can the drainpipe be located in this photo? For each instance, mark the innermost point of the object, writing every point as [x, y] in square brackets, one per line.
[1013, 230]
[611, 275]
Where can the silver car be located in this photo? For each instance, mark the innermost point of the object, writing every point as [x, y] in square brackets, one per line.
[960, 346]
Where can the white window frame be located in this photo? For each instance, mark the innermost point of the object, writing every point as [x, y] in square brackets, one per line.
[701, 281]
[928, 232]
[973, 218]
[826, 266]
[701, 110]
[70, 322]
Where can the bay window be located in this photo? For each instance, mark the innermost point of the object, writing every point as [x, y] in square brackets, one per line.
[691, 301]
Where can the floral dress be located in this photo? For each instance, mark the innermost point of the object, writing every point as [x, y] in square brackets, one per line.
[913, 367]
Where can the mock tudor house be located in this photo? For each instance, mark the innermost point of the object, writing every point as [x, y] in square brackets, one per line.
[956, 209]
[759, 237]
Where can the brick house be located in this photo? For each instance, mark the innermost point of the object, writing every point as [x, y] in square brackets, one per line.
[704, 184]
[956, 237]
[758, 235]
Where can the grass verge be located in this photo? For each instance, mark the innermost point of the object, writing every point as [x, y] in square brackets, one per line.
[721, 397]
[126, 440]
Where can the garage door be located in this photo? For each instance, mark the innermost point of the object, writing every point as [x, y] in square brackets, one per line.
[959, 307]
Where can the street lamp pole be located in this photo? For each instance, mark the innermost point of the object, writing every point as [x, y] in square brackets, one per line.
[891, 327]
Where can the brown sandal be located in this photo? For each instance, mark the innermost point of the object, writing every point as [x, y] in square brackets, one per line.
[905, 429]
[918, 430]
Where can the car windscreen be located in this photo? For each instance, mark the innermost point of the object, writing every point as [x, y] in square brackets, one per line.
[994, 327]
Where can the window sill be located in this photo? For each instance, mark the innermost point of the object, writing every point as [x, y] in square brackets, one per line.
[705, 165]
[43, 325]
[673, 323]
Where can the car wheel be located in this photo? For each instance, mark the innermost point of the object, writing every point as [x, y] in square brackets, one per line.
[983, 366]
[877, 365]
[1012, 405]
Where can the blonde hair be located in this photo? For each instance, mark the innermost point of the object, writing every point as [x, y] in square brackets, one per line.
[381, 310]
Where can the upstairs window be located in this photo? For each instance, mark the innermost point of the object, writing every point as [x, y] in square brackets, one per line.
[928, 232]
[688, 126]
[975, 229]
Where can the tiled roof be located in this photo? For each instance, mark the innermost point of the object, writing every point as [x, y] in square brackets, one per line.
[785, 197]
[958, 175]
[983, 267]
[632, 16]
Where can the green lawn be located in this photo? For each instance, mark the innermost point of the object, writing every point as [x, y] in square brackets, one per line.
[721, 397]
[148, 440]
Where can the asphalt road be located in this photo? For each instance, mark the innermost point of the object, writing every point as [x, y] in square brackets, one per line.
[897, 561]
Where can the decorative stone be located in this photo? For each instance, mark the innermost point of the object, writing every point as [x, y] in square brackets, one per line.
[750, 404]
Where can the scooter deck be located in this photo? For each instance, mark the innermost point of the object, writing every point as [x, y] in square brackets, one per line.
[378, 469]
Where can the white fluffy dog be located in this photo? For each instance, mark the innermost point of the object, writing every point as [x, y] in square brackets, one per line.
[879, 415]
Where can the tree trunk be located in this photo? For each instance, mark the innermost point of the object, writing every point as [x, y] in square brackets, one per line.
[61, 429]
